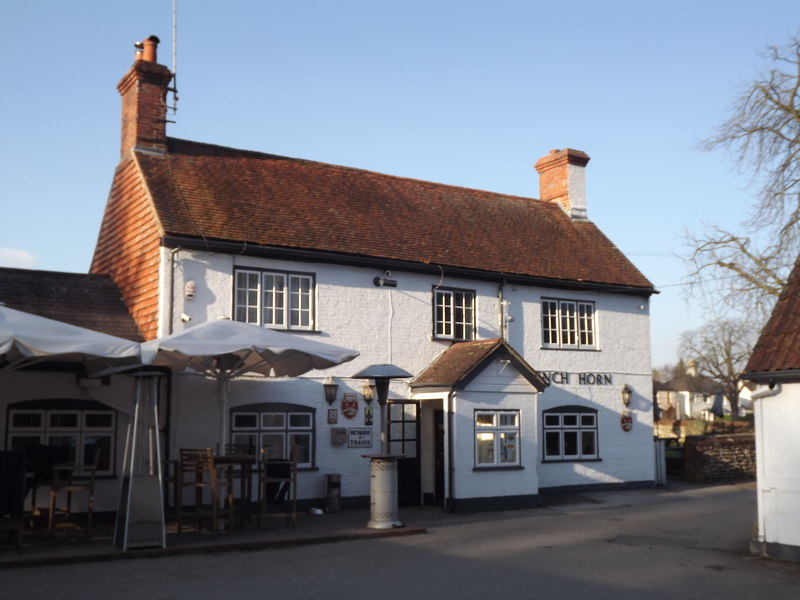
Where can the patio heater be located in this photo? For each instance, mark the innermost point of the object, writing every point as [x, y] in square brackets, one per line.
[140, 516]
[383, 466]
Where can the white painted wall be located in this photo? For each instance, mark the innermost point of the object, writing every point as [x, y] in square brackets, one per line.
[777, 420]
[394, 325]
[498, 387]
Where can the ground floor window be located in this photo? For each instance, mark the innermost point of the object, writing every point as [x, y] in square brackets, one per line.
[570, 433]
[79, 428]
[277, 429]
[496, 438]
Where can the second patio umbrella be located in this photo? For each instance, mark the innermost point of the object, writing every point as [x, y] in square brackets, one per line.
[226, 349]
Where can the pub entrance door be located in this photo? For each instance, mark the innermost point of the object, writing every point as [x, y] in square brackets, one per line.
[403, 440]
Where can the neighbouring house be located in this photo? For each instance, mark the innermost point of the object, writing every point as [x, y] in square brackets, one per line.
[689, 397]
[774, 366]
[521, 322]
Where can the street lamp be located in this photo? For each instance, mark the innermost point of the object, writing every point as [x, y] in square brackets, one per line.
[383, 467]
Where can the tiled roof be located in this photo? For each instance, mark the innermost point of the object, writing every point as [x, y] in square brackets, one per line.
[778, 347]
[692, 383]
[462, 361]
[211, 193]
[90, 301]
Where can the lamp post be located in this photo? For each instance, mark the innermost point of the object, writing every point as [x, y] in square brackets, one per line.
[383, 467]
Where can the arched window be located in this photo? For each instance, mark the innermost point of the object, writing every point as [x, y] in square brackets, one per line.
[276, 428]
[79, 427]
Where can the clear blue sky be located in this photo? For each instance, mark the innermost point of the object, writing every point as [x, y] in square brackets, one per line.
[461, 92]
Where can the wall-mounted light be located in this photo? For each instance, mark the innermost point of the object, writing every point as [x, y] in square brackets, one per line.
[331, 388]
[385, 281]
[368, 392]
[627, 394]
[189, 289]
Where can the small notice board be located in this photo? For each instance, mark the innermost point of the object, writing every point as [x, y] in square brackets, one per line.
[359, 437]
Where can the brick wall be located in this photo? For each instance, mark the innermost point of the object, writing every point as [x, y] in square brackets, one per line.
[720, 457]
[678, 430]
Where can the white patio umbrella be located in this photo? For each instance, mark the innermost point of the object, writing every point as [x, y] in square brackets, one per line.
[26, 339]
[226, 349]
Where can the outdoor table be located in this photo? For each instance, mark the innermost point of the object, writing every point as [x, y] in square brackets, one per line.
[245, 463]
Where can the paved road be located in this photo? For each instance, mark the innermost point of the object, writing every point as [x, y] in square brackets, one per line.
[680, 542]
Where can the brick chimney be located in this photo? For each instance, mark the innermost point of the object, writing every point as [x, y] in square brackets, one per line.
[144, 101]
[562, 179]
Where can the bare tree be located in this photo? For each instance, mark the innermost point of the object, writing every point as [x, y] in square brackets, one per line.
[721, 349]
[749, 268]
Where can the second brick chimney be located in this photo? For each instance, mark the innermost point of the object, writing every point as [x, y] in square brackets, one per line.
[562, 180]
[144, 101]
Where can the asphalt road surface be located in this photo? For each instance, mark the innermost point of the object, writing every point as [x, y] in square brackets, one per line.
[679, 542]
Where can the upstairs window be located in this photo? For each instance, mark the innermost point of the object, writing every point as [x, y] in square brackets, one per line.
[274, 299]
[454, 314]
[568, 324]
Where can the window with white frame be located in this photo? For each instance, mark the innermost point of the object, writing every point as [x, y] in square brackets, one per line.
[454, 314]
[568, 324]
[570, 433]
[276, 430]
[274, 299]
[79, 428]
[497, 438]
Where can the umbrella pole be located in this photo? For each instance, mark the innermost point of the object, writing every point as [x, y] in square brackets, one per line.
[224, 384]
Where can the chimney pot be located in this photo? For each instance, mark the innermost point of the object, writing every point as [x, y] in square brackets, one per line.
[147, 50]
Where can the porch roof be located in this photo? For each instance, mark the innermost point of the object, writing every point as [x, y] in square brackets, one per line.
[462, 361]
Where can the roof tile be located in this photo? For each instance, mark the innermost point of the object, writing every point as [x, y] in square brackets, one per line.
[778, 347]
[90, 301]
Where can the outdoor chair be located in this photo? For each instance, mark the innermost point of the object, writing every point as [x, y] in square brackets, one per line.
[66, 480]
[12, 495]
[277, 488]
[39, 462]
[198, 472]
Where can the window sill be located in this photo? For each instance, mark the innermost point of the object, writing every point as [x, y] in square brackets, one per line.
[288, 330]
[494, 468]
[569, 349]
[571, 460]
